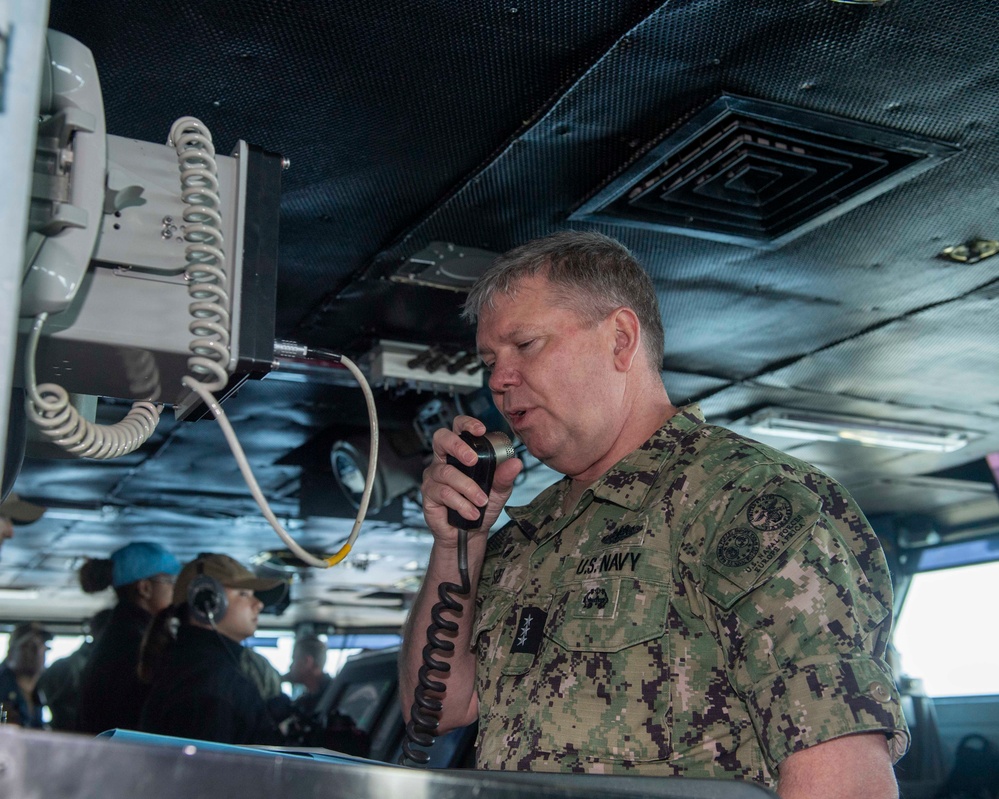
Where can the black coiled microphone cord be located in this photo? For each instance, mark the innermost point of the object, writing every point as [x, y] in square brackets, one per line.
[425, 714]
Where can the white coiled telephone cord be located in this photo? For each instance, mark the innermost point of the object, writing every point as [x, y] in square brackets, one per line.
[207, 279]
[48, 407]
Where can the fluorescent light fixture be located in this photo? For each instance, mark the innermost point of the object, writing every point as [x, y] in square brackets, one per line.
[107, 513]
[816, 426]
[18, 594]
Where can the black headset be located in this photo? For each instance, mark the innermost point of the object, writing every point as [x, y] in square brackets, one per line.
[206, 598]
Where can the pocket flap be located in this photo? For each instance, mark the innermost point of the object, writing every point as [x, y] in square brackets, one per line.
[495, 610]
[608, 614]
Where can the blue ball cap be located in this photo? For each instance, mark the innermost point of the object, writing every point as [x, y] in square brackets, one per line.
[139, 560]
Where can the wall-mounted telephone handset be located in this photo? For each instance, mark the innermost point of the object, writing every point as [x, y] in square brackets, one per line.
[72, 157]
[492, 449]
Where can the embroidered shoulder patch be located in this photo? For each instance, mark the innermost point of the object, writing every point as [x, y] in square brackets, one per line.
[752, 532]
[738, 547]
[498, 541]
[768, 512]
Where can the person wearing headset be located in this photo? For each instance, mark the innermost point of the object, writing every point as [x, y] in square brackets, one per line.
[198, 686]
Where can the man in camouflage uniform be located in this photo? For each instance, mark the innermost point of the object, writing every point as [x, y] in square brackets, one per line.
[685, 601]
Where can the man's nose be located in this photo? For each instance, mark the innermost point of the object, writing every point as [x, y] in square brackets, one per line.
[502, 378]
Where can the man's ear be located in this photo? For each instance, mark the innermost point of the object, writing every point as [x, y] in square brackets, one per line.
[627, 338]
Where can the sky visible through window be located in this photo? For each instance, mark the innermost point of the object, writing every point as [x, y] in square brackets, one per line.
[948, 631]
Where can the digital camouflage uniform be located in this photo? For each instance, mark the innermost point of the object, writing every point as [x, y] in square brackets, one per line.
[708, 608]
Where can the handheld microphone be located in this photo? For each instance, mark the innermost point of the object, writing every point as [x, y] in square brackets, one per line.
[492, 449]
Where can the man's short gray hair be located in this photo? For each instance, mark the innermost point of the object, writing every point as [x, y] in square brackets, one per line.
[591, 274]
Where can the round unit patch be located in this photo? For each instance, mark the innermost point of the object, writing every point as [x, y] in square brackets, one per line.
[769, 512]
[738, 547]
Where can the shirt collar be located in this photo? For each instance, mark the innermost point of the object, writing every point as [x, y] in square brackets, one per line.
[626, 483]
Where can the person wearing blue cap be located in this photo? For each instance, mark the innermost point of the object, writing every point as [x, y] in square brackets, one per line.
[142, 574]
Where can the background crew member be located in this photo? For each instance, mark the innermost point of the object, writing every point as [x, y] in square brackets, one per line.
[308, 664]
[311, 719]
[60, 682]
[199, 689]
[684, 601]
[111, 694]
[262, 674]
[22, 701]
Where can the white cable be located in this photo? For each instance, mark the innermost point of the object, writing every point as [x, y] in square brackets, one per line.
[251, 482]
[48, 407]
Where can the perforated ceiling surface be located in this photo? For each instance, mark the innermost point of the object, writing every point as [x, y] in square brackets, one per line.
[487, 123]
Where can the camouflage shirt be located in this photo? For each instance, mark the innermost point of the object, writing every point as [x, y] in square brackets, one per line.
[709, 607]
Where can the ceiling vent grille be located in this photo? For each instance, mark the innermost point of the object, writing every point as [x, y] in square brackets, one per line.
[759, 174]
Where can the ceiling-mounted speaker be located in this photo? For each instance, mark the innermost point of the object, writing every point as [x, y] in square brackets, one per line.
[395, 476]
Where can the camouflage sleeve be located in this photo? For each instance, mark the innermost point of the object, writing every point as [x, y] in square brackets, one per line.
[800, 602]
[261, 673]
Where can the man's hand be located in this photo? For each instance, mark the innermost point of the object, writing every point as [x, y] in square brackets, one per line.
[852, 767]
[445, 486]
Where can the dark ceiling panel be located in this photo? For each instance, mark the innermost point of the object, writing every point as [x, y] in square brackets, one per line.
[881, 365]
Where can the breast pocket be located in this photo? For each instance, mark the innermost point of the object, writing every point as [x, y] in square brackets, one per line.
[608, 655]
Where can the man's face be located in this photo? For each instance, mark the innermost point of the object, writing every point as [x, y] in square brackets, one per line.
[240, 619]
[28, 656]
[553, 378]
[301, 664]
